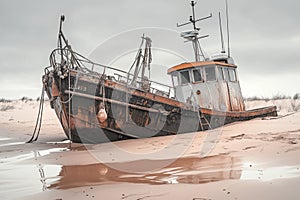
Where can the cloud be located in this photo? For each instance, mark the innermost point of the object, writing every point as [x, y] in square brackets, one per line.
[264, 34]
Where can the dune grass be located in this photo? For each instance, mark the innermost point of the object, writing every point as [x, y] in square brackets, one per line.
[277, 96]
[4, 108]
[2, 100]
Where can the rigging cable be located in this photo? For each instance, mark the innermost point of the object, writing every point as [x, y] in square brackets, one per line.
[39, 119]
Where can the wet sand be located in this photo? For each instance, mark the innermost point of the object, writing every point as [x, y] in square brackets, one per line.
[245, 160]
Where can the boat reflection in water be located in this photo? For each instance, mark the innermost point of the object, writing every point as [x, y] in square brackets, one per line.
[189, 170]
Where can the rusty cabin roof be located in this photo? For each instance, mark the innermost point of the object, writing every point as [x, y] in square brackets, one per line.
[198, 64]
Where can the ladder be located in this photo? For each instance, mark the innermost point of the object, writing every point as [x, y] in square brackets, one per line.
[204, 124]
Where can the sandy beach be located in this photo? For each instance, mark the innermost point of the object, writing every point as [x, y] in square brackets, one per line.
[256, 159]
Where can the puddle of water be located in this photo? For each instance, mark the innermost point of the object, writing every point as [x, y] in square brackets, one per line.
[11, 144]
[17, 158]
[61, 142]
[74, 146]
[33, 154]
[4, 139]
[49, 151]
[192, 170]
[18, 180]
[273, 173]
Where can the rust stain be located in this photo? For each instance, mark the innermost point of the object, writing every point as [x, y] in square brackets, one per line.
[243, 114]
[197, 64]
[55, 91]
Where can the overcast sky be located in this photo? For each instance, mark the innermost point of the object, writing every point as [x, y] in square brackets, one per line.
[265, 38]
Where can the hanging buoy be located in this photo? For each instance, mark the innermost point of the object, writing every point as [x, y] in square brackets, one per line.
[102, 115]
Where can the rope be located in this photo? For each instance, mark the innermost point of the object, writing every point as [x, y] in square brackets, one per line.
[75, 84]
[38, 123]
[102, 89]
[69, 117]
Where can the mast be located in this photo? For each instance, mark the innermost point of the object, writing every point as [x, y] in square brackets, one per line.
[228, 38]
[141, 64]
[193, 35]
[221, 34]
[61, 36]
[147, 58]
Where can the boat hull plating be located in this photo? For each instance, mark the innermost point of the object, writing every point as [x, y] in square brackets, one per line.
[131, 113]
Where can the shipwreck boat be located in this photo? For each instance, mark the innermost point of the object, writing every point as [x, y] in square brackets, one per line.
[110, 104]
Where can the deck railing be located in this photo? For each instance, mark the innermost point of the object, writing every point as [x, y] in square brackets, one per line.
[64, 59]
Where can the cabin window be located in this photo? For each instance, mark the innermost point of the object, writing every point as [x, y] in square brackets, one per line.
[226, 72]
[210, 73]
[232, 75]
[220, 74]
[175, 79]
[197, 75]
[185, 77]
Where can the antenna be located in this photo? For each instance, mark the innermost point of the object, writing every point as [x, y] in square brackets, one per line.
[228, 38]
[193, 35]
[221, 34]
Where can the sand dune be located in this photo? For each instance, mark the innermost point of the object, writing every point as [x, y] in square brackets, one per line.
[245, 160]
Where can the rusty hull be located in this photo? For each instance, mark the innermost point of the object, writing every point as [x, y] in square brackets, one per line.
[132, 113]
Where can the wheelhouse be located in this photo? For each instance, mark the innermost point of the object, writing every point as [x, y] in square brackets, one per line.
[212, 85]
